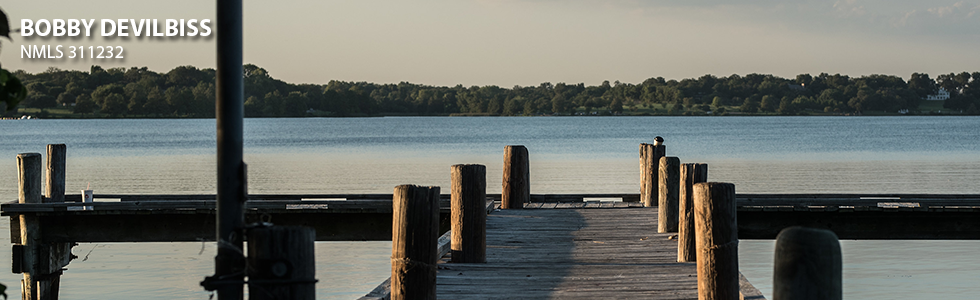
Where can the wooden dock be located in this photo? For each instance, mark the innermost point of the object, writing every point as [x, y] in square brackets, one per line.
[573, 254]
[585, 250]
[592, 247]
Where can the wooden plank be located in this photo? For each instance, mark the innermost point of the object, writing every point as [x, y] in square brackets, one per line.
[564, 205]
[381, 292]
[747, 290]
[573, 254]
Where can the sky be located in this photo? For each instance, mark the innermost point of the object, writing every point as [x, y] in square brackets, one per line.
[528, 42]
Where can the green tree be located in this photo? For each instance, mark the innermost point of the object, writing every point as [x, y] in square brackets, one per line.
[769, 103]
[156, 103]
[922, 85]
[512, 106]
[786, 107]
[962, 102]
[494, 106]
[204, 99]
[749, 106]
[616, 105]
[37, 100]
[83, 104]
[293, 105]
[188, 76]
[254, 107]
[114, 105]
[66, 98]
[559, 104]
[529, 109]
[972, 110]
[109, 99]
[717, 102]
[180, 99]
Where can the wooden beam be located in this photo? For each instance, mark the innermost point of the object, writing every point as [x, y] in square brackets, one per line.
[866, 225]
[93, 228]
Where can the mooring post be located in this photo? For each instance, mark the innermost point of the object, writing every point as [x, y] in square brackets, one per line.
[644, 167]
[807, 265]
[717, 241]
[58, 254]
[667, 186]
[54, 190]
[651, 174]
[516, 182]
[281, 263]
[469, 214]
[29, 191]
[690, 174]
[414, 242]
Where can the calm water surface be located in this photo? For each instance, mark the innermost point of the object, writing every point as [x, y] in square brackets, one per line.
[568, 155]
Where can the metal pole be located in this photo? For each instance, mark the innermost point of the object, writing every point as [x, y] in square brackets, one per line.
[229, 264]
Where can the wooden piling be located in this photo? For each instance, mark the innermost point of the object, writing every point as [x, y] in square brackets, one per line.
[414, 242]
[807, 265]
[717, 241]
[54, 190]
[29, 177]
[58, 254]
[281, 263]
[469, 214]
[644, 167]
[667, 187]
[650, 168]
[29, 191]
[690, 174]
[516, 182]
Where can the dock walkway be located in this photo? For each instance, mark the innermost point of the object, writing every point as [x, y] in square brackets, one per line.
[569, 251]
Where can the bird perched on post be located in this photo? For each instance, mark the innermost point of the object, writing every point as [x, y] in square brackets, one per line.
[657, 141]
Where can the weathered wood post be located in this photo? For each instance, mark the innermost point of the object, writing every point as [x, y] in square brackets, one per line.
[516, 182]
[414, 242]
[281, 263]
[58, 254]
[667, 186]
[54, 190]
[650, 167]
[644, 171]
[29, 191]
[807, 265]
[717, 240]
[469, 214]
[690, 174]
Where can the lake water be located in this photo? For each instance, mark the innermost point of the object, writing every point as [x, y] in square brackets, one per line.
[568, 155]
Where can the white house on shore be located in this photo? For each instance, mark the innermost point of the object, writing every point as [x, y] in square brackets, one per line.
[942, 94]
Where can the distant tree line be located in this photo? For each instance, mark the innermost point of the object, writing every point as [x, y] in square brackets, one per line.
[187, 91]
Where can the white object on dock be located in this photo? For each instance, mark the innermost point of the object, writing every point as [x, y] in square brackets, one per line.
[87, 197]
